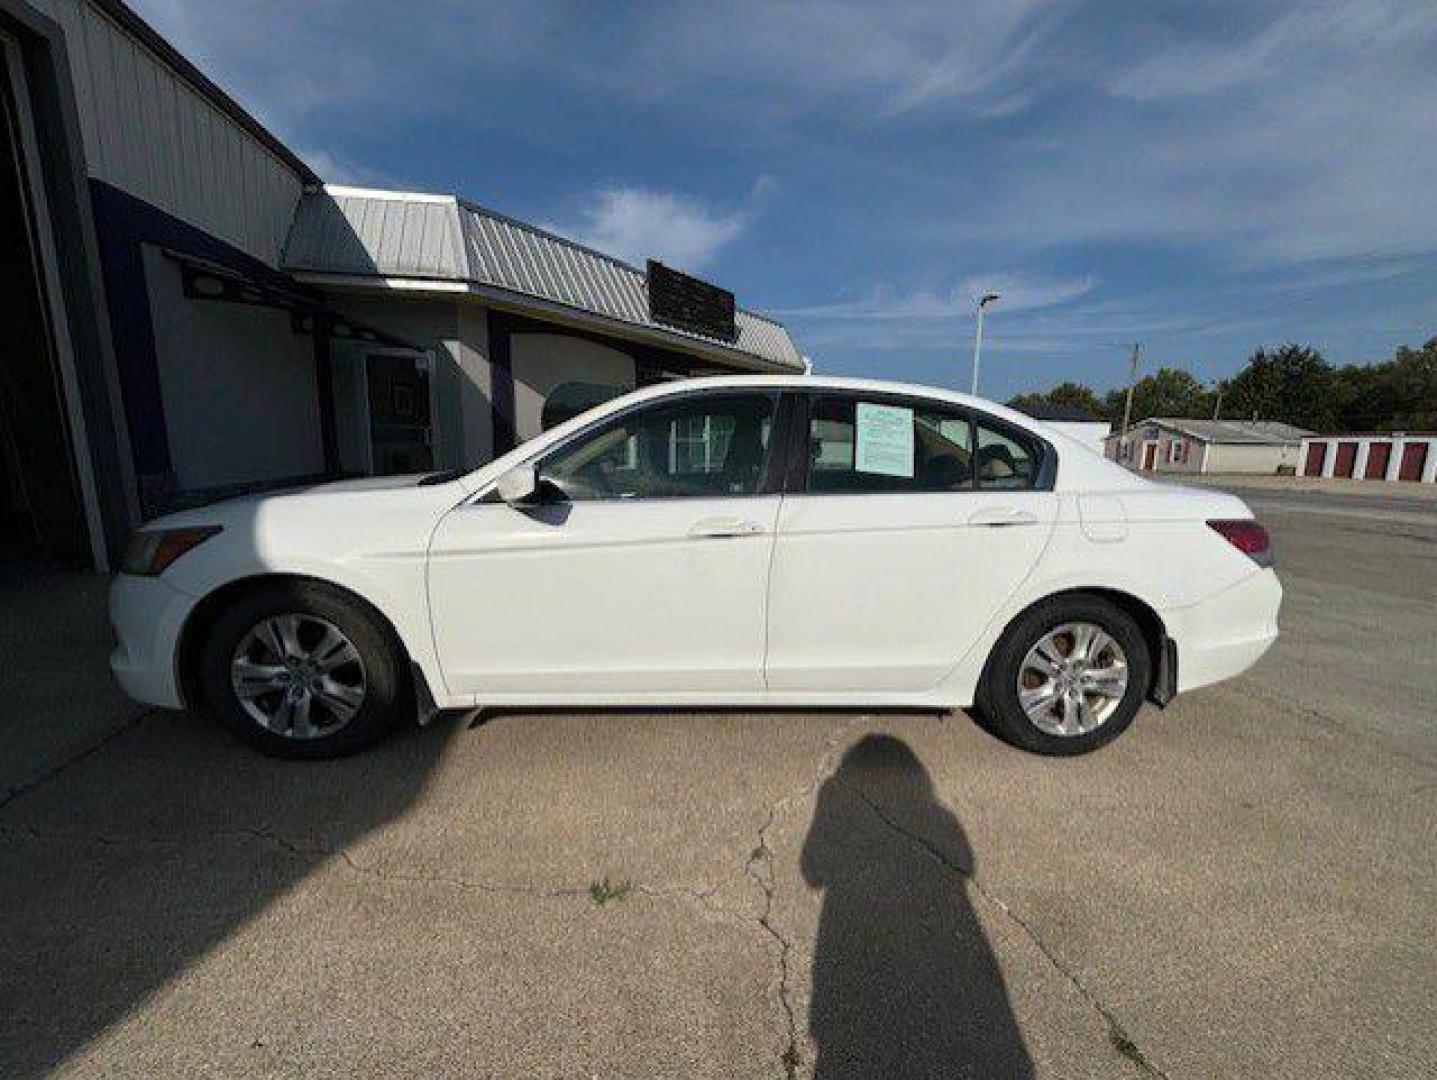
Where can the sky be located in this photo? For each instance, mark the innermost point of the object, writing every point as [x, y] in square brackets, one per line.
[1201, 178]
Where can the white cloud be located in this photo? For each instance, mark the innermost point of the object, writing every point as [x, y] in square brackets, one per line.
[1019, 292]
[636, 224]
[1310, 135]
[337, 169]
[1264, 134]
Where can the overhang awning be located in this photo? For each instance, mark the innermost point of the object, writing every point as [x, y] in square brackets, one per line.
[439, 243]
[204, 280]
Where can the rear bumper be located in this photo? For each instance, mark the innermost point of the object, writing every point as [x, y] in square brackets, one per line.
[147, 614]
[1224, 635]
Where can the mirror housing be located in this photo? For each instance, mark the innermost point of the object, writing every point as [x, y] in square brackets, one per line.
[519, 486]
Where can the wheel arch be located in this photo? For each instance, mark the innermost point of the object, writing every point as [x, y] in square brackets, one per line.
[1162, 654]
[202, 616]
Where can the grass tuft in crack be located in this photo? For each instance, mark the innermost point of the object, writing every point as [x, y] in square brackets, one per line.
[1125, 1046]
[601, 892]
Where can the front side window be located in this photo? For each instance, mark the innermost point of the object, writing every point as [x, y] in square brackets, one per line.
[869, 446]
[704, 445]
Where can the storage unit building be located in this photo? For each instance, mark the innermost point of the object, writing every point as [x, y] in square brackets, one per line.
[1404, 456]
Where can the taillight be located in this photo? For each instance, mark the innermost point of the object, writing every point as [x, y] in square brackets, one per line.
[1247, 536]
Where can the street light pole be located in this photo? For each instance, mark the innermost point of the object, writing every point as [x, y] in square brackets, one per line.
[986, 299]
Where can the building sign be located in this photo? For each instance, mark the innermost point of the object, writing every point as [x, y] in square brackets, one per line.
[686, 303]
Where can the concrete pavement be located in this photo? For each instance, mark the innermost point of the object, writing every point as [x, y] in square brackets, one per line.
[1241, 886]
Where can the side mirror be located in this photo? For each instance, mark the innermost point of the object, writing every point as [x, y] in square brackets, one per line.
[519, 486]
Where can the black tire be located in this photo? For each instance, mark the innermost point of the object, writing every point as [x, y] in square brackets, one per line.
[385, 681]
[998, 691]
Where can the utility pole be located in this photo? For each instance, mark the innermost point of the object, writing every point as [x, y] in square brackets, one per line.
[1217, 405]
[1128, 404]
[987, 299]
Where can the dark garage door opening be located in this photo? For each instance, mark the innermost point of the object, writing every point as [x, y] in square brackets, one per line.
[41, 516]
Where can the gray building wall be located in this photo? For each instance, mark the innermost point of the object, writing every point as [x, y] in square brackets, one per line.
[1235, 458]
[542, 362]
[237, 384]
[147, 131]
[476, 385]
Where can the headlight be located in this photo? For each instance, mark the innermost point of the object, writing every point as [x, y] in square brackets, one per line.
[150, 551]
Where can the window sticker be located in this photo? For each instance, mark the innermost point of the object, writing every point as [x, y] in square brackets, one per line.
[884, 439]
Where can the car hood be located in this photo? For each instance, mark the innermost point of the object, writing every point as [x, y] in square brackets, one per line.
[365, 494]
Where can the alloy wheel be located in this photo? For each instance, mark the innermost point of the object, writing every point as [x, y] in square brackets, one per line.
[298, 675]
[1073, 679]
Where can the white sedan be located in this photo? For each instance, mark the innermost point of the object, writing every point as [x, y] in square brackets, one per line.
[753, 541]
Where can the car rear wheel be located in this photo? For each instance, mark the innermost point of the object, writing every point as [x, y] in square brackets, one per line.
[298, 670]
[1067, 677]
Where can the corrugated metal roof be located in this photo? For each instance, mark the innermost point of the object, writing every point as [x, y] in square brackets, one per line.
[1258, 432]
[385, 234]
[336, 231]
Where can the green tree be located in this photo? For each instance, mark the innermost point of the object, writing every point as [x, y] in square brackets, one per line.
[1413, 382]
[1067, 395]
[1166, 392]
[1394, 395]
[1292, 383]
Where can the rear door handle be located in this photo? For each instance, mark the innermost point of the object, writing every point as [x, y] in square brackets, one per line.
[718, 527]
[999, 516]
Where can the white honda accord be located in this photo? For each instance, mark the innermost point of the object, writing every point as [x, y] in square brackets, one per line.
[751, 541]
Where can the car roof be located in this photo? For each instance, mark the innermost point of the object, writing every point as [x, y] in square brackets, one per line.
[842, 382]
[1082, 466]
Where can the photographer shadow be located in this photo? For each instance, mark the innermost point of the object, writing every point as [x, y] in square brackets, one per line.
[905, 983]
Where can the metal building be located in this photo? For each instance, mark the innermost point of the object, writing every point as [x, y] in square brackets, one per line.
[1409, 456]
[196, 313]
[1181, 445]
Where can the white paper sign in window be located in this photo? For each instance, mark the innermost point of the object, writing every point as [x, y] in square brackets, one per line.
[884, 441]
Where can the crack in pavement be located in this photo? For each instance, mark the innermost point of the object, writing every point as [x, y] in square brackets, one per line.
[42, 778]
[702, 897]
[759, 869]
[1117, 1034]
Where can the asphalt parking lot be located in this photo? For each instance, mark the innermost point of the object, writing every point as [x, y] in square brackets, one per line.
[1242, 886]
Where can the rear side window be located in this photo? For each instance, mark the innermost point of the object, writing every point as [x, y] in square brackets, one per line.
[1003, 463]
[858, 445]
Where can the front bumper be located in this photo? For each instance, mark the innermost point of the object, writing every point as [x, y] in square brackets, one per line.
[1224, 635]
[148, 614]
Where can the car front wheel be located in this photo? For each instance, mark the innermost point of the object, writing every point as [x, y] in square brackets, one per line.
[1067, 677]
[299, 670]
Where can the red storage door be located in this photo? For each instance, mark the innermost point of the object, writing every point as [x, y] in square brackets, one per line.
[1414, 456]
[1378, 455]
[1346, 458]
[1316, 453]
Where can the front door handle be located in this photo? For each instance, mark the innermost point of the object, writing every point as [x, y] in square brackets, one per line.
[1000, 516]
[717, 527]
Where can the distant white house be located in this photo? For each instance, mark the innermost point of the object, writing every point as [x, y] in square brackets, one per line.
[1179, 445]
[1072, 421]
